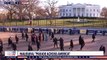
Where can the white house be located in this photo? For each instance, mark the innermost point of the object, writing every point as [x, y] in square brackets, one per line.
[79, 10]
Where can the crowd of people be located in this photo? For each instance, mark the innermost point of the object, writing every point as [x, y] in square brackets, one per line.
[36, 39]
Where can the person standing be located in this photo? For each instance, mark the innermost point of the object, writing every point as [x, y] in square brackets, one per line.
[55, 42]
[102, 48]
[81, 42]
[23, 35]
[9, 41]
[33, 39]
[52, 36]
[70, 31]
[1, 47]
[26, 35]
[41, 36]
[61, 44]
[50, 33]
[38, 43]
[17, 39]
[103, 33]
[30, 48]
[14, 47]
[46, 37]
[1, 42]
[71, 45]
[93, 37]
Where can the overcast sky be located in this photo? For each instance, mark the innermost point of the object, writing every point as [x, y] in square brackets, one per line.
[102, 3]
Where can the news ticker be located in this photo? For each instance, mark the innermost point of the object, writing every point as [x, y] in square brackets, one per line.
[55, 54]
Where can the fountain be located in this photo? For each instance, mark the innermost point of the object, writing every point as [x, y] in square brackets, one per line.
[78, 20]
[81, 21]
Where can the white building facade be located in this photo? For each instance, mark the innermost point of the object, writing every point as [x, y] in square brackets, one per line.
[79, 10]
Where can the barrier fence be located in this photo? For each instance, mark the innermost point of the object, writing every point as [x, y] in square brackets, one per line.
[70, 31]
[58, 22]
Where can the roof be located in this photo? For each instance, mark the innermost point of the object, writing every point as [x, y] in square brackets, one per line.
[78, 4]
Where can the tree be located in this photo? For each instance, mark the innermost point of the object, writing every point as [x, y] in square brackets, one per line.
[14, 11]
[3, 18]
[32, 7]
[41, 13]
[10, 9]
[26, 8]
[51, 9]
[104, 12]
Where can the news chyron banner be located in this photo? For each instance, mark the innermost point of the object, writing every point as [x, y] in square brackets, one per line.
[54, 54]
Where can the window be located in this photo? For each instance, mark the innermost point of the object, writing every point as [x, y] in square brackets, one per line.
[66, 14]
[94, 10]
[74, 14]
[90, 15]
[93, 15]
[87, 14]
[82, 15]
[90, 10]
[69, 10]
[63, 10]
[63, 14]
[60, 10]
[66, 10]
[74, 9]
[69, 14]
[97, 10]
[60, 14]
[97, 15]
[82, 9]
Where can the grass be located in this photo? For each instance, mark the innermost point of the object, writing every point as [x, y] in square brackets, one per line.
[60, 22]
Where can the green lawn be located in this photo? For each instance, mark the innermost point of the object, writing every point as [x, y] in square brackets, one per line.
[60, 22]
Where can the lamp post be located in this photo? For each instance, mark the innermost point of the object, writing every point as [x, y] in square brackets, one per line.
[83, 20]
[31, 20]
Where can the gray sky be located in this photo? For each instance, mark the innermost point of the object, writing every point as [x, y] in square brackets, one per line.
[102, 3]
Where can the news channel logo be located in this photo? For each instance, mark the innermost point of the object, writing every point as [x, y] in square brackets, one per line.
[10, 53]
